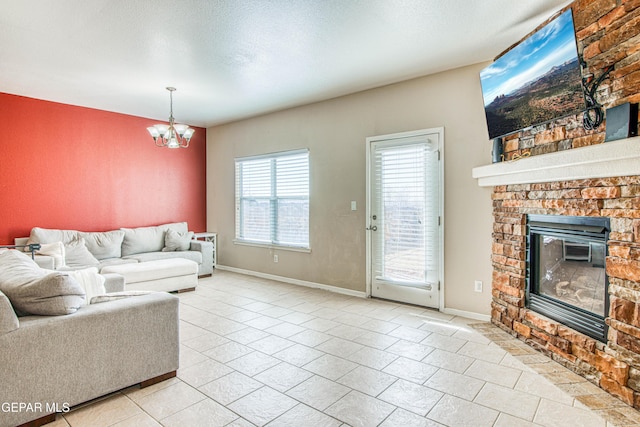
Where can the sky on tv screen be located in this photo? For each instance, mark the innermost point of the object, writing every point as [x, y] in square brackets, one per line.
[554, 44]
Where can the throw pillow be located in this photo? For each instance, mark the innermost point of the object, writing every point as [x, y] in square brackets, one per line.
[8, 319]
[54, 250]
[177, 241]
[77, 255]
[32, 290]
[103, 245]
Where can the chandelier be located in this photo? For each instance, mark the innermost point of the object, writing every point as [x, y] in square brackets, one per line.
[171, 135]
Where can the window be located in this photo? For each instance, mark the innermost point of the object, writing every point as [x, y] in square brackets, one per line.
[272, 199]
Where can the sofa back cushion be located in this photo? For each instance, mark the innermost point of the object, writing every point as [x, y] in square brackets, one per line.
[33, 290]
[8, 319]
[103, 245]
[148, 239]
[47, 235]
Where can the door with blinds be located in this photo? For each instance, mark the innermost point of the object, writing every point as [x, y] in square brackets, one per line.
[404, 236]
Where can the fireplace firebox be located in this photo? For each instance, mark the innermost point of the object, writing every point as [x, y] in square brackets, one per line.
[566, 277]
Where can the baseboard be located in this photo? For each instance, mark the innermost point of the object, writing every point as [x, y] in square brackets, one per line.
[291, 281]
[467, 314]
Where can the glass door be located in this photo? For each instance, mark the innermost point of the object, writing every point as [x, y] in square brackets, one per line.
[404, 218]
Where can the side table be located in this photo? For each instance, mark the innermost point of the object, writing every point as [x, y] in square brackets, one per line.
[209, 237]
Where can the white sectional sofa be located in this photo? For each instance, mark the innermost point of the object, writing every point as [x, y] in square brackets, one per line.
[159, 258]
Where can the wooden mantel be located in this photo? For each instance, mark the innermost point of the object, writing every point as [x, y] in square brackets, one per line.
[616, 158]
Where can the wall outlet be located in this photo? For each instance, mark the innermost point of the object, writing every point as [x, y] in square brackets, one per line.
[478, 286]
[354, 206]
[275, 258]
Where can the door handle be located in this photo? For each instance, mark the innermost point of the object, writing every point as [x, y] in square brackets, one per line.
[372, 228]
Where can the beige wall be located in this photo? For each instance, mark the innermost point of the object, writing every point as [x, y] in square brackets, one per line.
[334, 131]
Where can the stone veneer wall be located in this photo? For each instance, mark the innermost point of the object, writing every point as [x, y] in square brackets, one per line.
[608, 33]
[614, 366]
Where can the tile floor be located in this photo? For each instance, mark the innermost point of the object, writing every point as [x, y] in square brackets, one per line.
[259, 352]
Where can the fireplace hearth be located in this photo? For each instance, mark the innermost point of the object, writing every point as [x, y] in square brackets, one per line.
[566, 276]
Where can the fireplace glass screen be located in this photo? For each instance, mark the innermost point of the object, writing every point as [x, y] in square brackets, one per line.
[572, 271]
[566, 274]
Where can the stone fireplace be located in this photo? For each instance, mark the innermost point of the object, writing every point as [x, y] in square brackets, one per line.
[559, 169]
[603, 205]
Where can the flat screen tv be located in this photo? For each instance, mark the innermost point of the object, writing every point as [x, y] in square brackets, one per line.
[537, 81]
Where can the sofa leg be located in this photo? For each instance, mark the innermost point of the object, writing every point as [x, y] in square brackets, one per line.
[159, 378]
[40, 421]
[186, 290]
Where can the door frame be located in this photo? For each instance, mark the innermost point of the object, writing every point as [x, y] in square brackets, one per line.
[369, 141]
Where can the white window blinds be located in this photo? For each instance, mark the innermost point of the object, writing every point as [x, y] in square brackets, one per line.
[272, 199]
[405, 202]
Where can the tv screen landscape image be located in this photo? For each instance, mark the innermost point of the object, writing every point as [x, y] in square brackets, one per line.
[537, 81]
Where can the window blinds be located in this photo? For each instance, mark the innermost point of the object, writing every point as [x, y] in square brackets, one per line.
[272, 199]
[405, 202]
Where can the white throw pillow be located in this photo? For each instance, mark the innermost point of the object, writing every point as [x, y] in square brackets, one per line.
[105, 244]
[77, 255]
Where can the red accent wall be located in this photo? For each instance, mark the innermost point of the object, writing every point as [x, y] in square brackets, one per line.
[63, 166]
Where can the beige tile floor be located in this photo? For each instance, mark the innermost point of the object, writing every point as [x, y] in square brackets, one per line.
[259, 352]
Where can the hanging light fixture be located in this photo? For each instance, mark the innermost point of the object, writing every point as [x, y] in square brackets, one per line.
[171, 135]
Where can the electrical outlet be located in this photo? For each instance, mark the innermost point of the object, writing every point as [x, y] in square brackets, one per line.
[275, 258]
[354, 206]
[478, 286]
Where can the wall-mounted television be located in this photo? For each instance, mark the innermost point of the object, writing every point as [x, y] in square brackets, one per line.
[537, 81]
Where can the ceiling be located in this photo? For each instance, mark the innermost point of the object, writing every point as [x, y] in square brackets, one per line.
[232, 59]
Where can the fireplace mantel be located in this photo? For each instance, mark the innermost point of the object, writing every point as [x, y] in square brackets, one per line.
[616, 158]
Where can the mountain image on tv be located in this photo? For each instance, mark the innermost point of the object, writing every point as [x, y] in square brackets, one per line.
[537, 81]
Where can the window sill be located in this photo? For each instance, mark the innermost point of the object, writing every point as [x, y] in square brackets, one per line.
[271, 246]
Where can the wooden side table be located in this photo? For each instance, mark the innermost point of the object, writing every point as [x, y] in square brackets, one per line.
[209, 237]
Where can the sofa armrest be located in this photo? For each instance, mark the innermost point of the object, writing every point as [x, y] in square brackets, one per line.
[99, 349]
[206, 248]
[113, 282]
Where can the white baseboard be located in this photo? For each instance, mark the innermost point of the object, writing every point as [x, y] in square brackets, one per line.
[359, 294]
[329, 288]
[467, 314]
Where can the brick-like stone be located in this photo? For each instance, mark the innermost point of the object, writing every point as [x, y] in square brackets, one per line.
[540, 322]
[619, 251]
[522, 329]
[614, 369]
[623, 269]
[622, 310]
[591, 50]
[617, 389]
[600, 193]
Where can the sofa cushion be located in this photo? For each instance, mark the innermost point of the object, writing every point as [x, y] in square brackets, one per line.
[32, 290]
[8, 319]
[46, 235]
[105, 244]
[177, 241]
[148, 239]
[77, 255]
